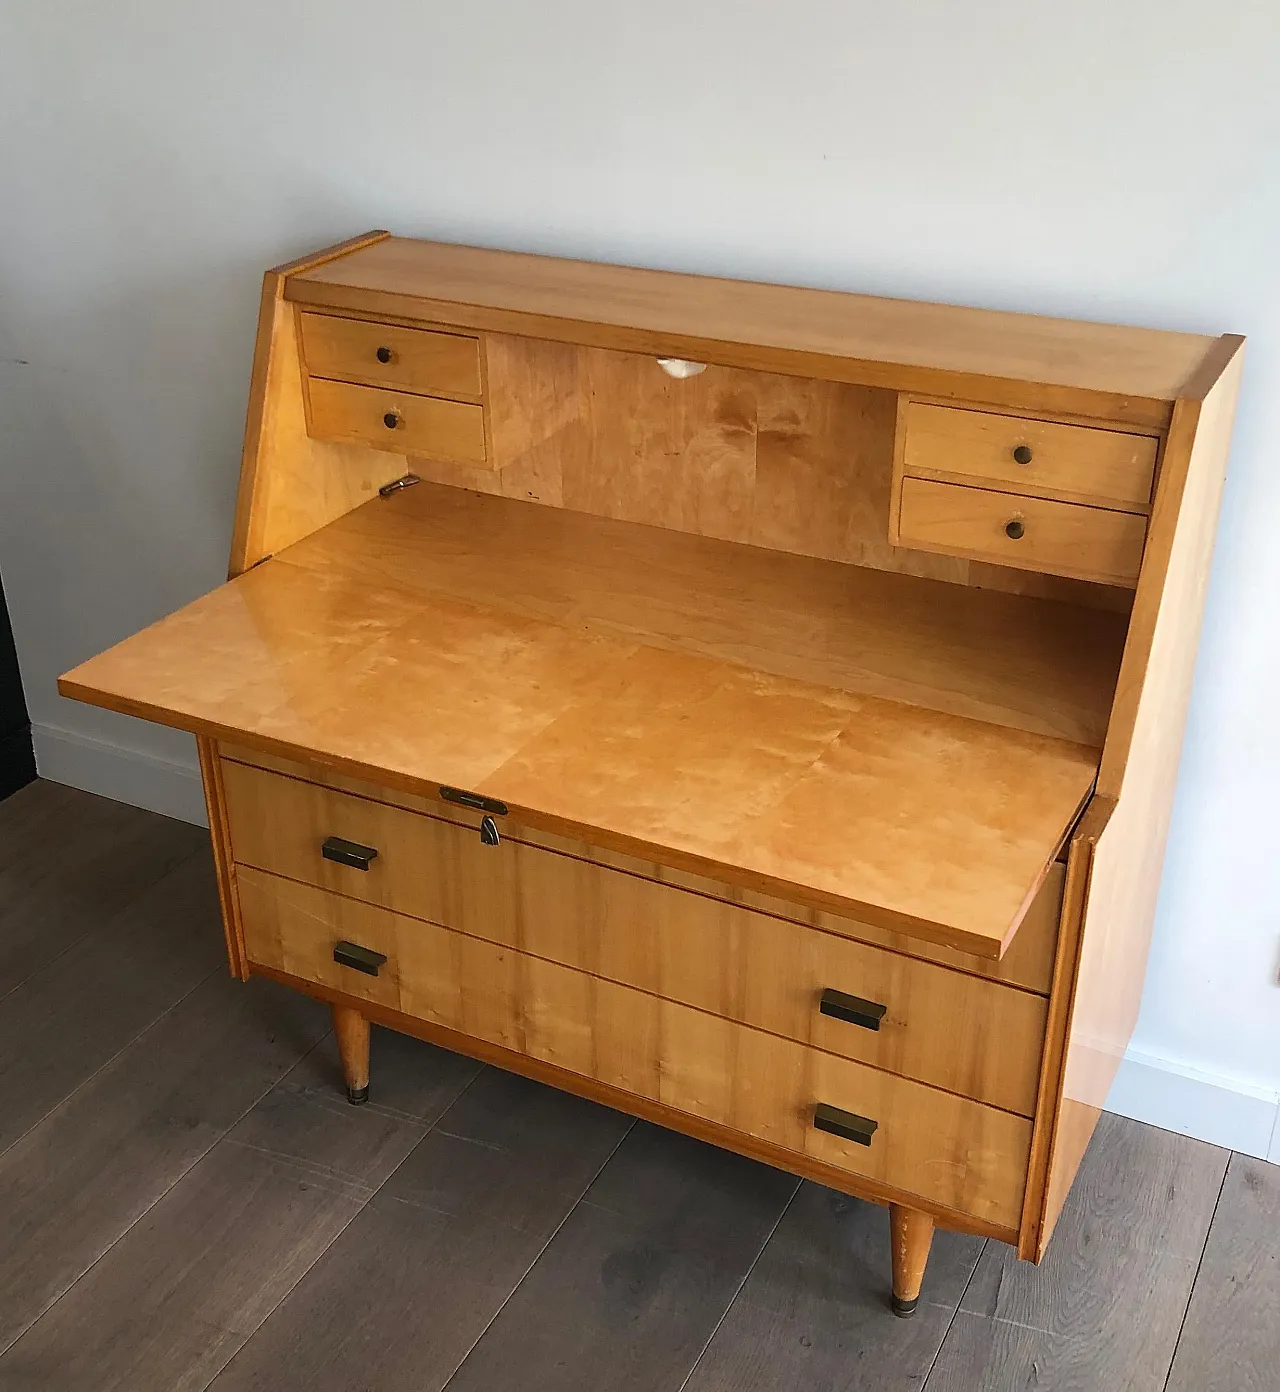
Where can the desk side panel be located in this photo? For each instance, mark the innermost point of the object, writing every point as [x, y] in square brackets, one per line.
[1124, 877]
[223, 864]
[290, 484]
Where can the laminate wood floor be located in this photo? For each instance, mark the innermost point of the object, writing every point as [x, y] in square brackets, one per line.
[187, 1201]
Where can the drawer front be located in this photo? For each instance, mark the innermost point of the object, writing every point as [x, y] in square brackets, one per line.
[945, 1148]
[387, 355]
[1027, 963]
[959, 1032]
[385, 419]
[1078, 463]
[1030, 533]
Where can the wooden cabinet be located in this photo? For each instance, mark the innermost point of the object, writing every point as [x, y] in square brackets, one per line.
[780, 751]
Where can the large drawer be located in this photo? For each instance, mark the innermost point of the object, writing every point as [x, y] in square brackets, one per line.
[1028, 962]
[391, 420]
[1108, 468]
[945, 1148]
[1088, 543]
[974, 1037]
[389, 355]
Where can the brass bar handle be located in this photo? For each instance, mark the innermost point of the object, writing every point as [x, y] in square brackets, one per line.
[350, 853]
[847, 1125]
[364, 959]
[852, 1010]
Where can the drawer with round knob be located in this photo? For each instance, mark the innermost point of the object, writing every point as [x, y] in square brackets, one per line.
[390, 355]
[1058, 538]
[1074, 463]
[410, 425]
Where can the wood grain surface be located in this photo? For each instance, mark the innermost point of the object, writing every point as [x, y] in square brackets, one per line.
[405, 1292]
[1130, 374]
[1140, 763]
[639, 1276]
[1228, 1342]
[433, 364]
[946, 1149]
[291, 484]
[790, 464]
[955, 1031]
[922, 821]
[814, 1313]
[462, 1225]
[1062, 538]
[1101, 468]
[225, 1244]
[1104, 1308]
[78, 1180]
[71, 861]
[1028, 963]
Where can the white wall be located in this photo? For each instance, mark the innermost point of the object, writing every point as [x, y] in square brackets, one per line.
[1113, 159]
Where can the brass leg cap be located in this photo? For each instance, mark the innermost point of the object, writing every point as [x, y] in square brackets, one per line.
[904, 1309]
[358, 1095]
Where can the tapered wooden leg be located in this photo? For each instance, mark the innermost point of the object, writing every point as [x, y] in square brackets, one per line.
[352, 1030]
[912, 1233]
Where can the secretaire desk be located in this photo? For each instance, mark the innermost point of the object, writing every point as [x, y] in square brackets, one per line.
[755, 708]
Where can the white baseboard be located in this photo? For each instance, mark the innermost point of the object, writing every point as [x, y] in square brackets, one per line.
[1212, 1107]
[116, 771]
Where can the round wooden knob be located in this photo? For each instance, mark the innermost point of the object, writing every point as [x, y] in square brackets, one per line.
[1022, 454]
[1014, 530]
[384, 355]
[391, 420]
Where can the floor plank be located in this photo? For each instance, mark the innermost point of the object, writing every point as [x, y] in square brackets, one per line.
[89, 1170]
[183, 1289]
[635, 1282]
[66, 1021]
[69, 861]
[815, 1311]
[411, 1285]
[1104, 1308]
[1231, 1337]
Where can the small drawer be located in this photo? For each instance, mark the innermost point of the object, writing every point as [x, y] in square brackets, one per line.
[955, 1031]
[426, 425]
[1029, 533]
[948, 1149]
[387, 355]
[1105, 468]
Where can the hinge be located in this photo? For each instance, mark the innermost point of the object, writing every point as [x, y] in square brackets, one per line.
[396, 485]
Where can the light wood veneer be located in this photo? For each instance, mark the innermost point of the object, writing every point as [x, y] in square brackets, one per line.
[388, 355]
[396, 421]
[958, 1032]
[801, 675]
[921, 822]
[945, 1148]
[1101, 468]
[1029, 962]
[1029, 532]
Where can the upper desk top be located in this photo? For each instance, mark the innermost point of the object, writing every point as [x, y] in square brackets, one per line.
[886, 745]
[1108, 370]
